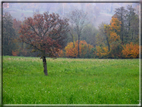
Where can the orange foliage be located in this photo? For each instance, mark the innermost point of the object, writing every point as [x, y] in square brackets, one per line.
[115, 24]
[101, 51]
[131, 50]
[113, 37]
[60, 53]
[111, 32]
[72, 51]
[115, 29]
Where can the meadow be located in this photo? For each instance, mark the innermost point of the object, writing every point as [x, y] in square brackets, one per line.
[70, 81]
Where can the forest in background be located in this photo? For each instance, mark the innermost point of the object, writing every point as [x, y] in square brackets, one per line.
[118, 39]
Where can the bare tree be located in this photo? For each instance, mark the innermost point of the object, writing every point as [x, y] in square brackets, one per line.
[78, 19]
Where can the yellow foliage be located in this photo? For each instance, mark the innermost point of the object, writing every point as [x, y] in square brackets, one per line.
[101, 51]
[72, 51]
[113, 37]
[112, 30]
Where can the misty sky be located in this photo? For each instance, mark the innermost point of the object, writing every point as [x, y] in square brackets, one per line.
[97, 12]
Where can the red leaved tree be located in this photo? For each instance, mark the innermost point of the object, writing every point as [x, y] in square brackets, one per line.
[45, 33]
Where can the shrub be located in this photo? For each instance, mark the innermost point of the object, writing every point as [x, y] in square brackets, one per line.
[131, 50]
[101, 52]
[72, 49]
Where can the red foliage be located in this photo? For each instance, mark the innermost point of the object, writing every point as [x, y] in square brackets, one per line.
[44, 33]
[16, 24]
[15, 53]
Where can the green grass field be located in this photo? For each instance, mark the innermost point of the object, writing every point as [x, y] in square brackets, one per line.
[70, 81]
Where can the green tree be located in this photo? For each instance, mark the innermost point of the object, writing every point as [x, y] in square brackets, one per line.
[132, 25]
[9, 35]
[89, 34]
[100, 37]
[120, 14]
[107, 34]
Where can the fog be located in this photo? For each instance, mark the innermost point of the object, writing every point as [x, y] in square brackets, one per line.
[96, 12]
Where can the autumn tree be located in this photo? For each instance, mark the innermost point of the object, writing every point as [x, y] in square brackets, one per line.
[131, 50]
[78, 18]
[122, 30]
[108, 36]
[61, 53]
[16, 24]
[22, 47]
[112, 31]
[101, 52]
[44, 33]
[72, 51]
[115, 25]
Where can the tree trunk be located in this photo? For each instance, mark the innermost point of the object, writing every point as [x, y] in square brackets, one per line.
[72, 39]
[78, 44]
[108, 43]
[132, 37]
[121, 31]
[108, 46]
[45, 65]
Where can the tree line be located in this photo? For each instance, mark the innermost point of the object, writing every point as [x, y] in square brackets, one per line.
[73, 36]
